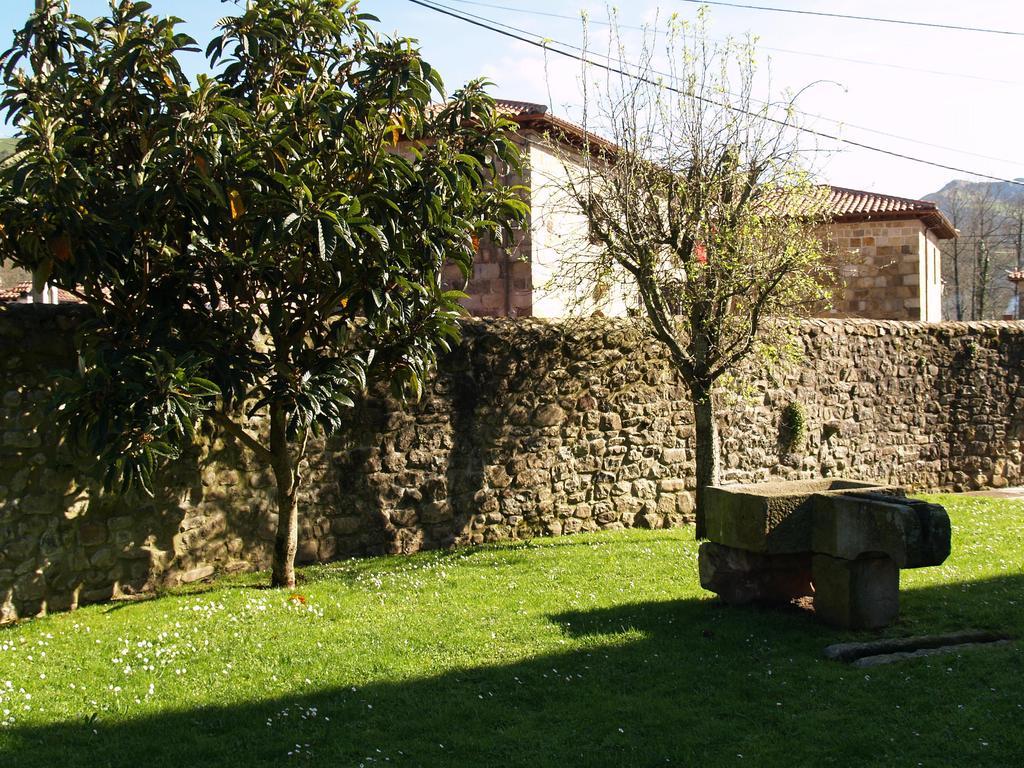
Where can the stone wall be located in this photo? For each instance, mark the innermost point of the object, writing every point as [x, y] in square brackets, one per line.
[530, 428]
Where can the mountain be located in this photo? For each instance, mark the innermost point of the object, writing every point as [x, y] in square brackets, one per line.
[999, 190]
[7, 147]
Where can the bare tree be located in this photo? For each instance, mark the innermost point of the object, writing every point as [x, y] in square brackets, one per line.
[957, 207]
[987, 230]
[991, 226]
[699, 215]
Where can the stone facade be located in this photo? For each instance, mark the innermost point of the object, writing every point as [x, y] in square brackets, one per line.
[886, 248]
[502, 281]
[889, 270]
[529, 429]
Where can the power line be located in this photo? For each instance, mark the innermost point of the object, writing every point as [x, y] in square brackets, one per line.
[839, 123]
[639, 78]
[789, 51]
[876, 19]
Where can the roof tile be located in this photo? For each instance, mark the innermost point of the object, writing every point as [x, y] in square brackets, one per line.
[844, 201]
[520, 108]
[19, 291]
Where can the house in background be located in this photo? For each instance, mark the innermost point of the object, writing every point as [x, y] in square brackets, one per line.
[888, 252]
[1015, 310]
[21, 293]
[887, 246]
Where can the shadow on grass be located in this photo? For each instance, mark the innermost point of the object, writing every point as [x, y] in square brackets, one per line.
[683, 682]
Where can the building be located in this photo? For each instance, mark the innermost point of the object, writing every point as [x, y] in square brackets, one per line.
[889, 257]
[1015, 310]
[21, 293]
[887, 246]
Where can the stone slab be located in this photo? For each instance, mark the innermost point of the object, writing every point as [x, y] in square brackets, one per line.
[852, 651]
[739, 576]
[913, 533]
[773, 518]
[866, 662]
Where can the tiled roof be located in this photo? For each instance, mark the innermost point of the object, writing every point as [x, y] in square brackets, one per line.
[19, 291]
[838, 203]
[531, 115]
[853, 201]
[519, 108]
[857, 205]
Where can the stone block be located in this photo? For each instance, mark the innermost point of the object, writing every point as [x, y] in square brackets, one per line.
[31, 586]
[436, 512]
[548, 415]
[674, 455]
[103, 558]
[672, 484]
[572, 525]
[776, 517]
[45, 504]
[611, 422]
[328, 548]
[667, 503]
[309, 550]
[739, 576]
[121, 523]
[650, 520]
[912, 533]
[856, 594]
[91, 533]
[97, 594]
[345, 526]
[196, 574]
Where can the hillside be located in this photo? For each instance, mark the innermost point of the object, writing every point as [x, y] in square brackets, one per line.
[990, 218]
[999, 190]
[7, 147]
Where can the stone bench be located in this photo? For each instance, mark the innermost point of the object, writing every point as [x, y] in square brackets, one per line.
[841, 541]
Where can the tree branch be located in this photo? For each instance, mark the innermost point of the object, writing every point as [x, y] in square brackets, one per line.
[243, 437]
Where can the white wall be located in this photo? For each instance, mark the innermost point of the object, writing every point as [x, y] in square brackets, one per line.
[560, 242]
[930, 278]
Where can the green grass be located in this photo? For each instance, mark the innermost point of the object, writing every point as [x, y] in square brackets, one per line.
[597, 650]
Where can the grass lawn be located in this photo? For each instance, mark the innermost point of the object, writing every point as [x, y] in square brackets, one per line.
[589, 650]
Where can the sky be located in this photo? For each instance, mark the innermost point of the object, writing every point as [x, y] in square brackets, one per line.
[951, 97]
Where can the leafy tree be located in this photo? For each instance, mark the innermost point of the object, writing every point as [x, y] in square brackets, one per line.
[699, 217]
[255, 247]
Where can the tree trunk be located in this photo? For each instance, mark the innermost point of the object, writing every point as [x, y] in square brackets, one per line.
[986, 261]
[286, 542]
[707, 449]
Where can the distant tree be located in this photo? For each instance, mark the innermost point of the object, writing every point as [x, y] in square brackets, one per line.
[255, 247]
[987, 231]
[990, 220]
[701, 215]
[957, 207]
